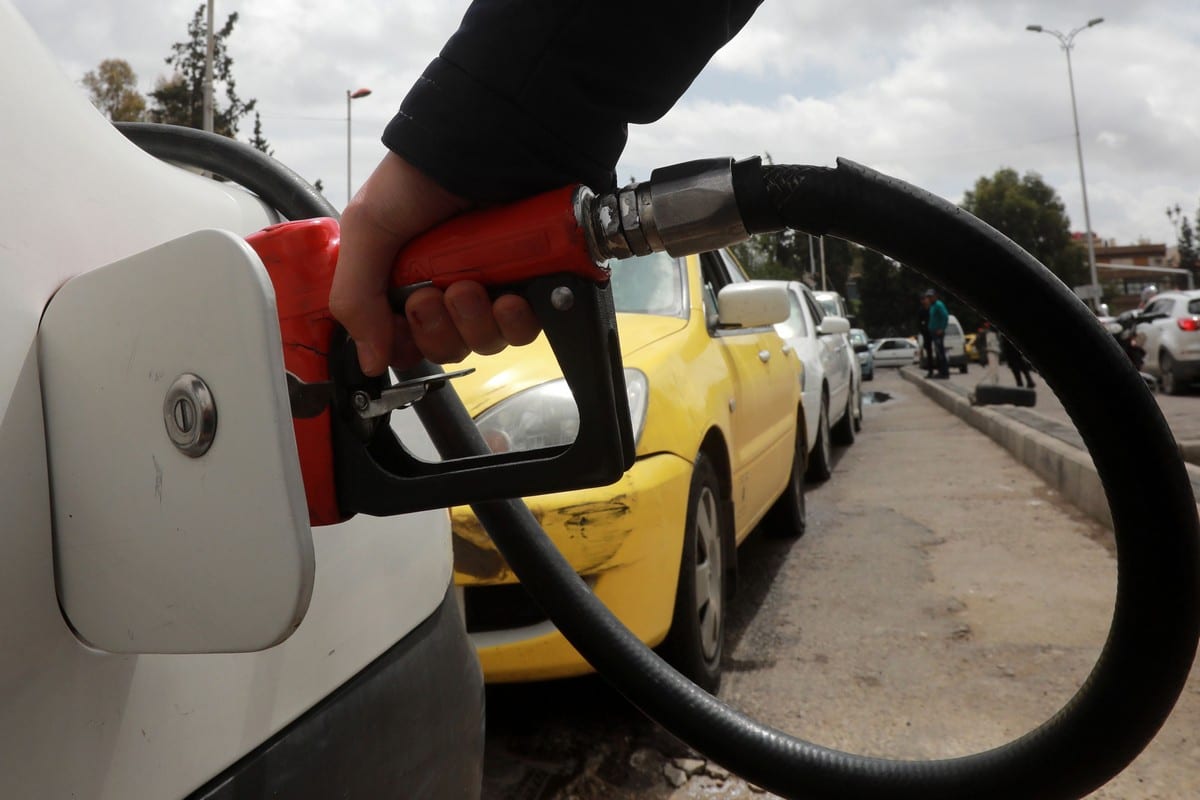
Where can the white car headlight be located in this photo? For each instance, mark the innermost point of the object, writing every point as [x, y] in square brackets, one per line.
[546, 415]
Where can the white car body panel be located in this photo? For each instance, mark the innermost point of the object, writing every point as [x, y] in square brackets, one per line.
[74, 721]
[1165, 335]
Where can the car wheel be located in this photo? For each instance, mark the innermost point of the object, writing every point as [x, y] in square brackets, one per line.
[869, 374]
[820, 464]
[788, 518]
[963, 368]
[1170, 382]
[858, 409]
[696, 639]
[843, 432]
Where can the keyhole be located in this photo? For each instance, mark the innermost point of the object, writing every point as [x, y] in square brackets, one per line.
[185, 415]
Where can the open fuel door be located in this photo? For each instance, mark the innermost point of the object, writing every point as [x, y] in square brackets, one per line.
[180, 522]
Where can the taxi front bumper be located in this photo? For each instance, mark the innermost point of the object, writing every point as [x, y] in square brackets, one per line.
[625, 540]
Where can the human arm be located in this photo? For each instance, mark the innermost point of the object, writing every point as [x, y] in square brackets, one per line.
[527, 96]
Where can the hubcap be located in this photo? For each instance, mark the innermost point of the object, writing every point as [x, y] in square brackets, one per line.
[709, 574]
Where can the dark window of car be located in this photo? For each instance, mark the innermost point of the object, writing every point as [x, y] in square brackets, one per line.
[652, 284]
[715, 275]
[815, 309]
[794, 325]
[1162, 305]
[733, 267]
[888, 345]
[1194, 306]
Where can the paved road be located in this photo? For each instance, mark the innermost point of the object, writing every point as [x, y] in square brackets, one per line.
[944, 600]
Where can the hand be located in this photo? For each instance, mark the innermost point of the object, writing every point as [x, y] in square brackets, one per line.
[395, 204]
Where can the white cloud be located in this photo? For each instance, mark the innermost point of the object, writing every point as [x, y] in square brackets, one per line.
[936, 92]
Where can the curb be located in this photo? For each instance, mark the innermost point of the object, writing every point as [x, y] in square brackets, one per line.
[1066, 468]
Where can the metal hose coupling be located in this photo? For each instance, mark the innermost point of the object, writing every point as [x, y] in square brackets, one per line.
[683, 209]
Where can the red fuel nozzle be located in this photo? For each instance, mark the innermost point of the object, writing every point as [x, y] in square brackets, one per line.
[542, 235]
[498, 247]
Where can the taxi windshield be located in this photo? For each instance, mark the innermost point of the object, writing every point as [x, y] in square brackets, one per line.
[650, 284]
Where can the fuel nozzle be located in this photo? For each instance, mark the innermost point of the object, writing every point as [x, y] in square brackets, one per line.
[683, 209]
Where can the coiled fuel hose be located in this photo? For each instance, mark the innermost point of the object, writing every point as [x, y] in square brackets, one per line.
[1156, 623]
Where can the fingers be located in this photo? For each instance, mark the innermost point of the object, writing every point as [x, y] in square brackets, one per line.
[515, 317]
[358, 297]
[396, 203]
[446, 327]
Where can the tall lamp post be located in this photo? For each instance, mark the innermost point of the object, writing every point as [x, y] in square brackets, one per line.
[351, 95]
[1067, 42]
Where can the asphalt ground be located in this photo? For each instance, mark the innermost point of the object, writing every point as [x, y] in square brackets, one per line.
[912, 621]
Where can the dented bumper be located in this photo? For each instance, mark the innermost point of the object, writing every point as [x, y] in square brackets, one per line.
[624, 539]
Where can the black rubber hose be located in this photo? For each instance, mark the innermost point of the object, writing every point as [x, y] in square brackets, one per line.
[1146, 660]
[278, 186]
[1156, 623]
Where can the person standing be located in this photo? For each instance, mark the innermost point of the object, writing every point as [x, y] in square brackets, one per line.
[939, 318]
[923, 334]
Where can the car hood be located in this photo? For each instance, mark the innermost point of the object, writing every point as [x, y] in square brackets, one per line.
[518, 368]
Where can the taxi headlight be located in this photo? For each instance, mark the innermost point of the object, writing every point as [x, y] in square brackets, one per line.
[546, 415]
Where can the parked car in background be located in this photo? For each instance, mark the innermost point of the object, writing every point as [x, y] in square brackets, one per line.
[831, 382]
[862, 349]
[1172, 342]
[955, 341]
[894, 352]
[715, 397]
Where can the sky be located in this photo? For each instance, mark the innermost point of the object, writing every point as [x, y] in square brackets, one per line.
[934, 92]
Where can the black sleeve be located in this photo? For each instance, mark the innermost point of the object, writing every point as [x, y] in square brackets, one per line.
[529, 95]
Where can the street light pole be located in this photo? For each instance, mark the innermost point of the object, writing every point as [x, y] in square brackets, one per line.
[1067, 42]
[207, 102]
[357, 93]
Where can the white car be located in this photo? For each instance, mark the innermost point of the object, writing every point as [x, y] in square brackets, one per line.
[894, 352]
[172, 626]
[1172, 342]
[831, 381]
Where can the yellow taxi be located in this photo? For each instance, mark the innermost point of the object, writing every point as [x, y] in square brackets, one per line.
[715, 399]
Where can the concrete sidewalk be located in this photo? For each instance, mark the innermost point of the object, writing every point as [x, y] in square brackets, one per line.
[1044, 438]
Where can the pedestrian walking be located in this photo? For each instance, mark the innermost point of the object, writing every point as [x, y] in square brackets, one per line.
[1017, 362]
[988, 345]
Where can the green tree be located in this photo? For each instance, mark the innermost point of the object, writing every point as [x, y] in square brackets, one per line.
[773, 255]
[179, 100]
[1030, 212]
[1185, 238]
[889, 296]
[112, 88]
[258, 140]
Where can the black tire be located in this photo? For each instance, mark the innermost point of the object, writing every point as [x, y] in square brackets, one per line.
[843, 432]
[858, 417]
[1169, 382]
[963, 368]
[695, 642]
[820, 462]
[869, 375]
[788, 518]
